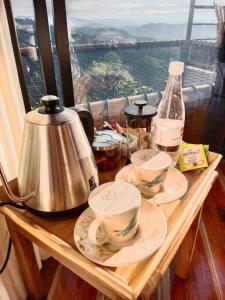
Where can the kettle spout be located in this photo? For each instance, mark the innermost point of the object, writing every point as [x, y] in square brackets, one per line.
[8, 190]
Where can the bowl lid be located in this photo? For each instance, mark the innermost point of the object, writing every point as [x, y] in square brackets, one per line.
[106, 140]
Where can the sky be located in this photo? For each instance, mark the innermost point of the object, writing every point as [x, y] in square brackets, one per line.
[143, 10]
[129, 11]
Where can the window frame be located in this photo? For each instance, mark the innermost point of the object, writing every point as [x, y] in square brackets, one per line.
[17, 56]
[45, 50]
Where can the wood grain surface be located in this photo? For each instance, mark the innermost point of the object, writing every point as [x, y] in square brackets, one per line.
[203, 278]
[56, 236]
[206, 279]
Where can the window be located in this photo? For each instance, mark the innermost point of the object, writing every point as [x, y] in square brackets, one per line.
[123, 48]
[117, 48]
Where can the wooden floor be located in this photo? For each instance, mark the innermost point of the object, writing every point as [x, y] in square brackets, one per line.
[206, 279]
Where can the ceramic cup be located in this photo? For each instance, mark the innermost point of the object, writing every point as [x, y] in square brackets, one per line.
[116, 206]
[150, 168]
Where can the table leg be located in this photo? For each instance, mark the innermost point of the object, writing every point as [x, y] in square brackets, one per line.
[186, 250]
[27, 261]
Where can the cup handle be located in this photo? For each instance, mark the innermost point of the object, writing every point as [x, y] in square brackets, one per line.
[92, 232]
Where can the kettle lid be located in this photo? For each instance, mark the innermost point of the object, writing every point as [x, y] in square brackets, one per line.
[50, 113]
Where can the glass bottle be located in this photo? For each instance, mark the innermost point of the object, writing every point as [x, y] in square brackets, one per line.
[169, 122]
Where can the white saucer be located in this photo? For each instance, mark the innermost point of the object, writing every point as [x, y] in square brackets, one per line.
[173, 188]
[150, 236]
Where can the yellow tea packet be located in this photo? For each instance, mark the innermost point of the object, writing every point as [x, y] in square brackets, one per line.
[192, 157]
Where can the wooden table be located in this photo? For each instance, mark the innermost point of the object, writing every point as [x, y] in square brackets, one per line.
[131, 282]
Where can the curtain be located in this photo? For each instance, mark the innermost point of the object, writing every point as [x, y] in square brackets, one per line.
[11, 123]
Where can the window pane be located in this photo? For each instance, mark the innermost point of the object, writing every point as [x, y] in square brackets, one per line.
[27, 40]
[123, 48]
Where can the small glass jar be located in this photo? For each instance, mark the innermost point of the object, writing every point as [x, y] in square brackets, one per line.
[110, 152]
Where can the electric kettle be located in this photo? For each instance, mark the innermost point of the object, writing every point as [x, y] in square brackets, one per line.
[57, 169]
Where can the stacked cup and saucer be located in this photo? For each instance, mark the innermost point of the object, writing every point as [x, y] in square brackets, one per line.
[153, 173]
[119, 227]
[124, 224]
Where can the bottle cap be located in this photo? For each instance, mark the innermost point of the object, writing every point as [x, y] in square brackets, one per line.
[176, 68]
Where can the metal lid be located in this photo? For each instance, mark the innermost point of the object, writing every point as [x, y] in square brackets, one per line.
[106, 140]
[50, 113]
[50, 105]
[140, 110]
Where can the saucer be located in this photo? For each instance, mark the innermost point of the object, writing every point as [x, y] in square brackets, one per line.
[173, 188]
[151, 233]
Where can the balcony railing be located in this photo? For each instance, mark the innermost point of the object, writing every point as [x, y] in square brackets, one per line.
[200, 59]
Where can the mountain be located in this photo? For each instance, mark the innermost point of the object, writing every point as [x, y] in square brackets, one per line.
[144, 32]
[115, 30]
[118, 23]
[160, 31]
[21, 20]
[100, 23]
[76, 22]
[84, 35]
[163, 31]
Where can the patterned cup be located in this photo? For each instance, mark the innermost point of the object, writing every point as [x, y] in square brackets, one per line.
[116, 206]
[151, 169]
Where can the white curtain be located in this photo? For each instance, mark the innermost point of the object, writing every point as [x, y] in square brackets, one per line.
[11, 123]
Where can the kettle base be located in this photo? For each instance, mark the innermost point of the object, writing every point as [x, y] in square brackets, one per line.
[58, 214]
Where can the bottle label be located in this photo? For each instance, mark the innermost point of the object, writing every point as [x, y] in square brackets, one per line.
[168, 132]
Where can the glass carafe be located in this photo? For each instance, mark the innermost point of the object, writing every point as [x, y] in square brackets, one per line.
[138, 123]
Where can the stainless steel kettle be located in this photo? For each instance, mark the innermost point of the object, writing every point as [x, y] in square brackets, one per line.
[57, 169]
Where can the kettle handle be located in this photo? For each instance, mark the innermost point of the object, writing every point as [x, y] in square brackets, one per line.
[87, 122]
[8, 190]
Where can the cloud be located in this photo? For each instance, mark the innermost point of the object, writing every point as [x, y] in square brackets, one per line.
[160, 10]
[96, 9]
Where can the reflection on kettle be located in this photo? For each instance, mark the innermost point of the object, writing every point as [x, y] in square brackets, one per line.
[57, 169]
